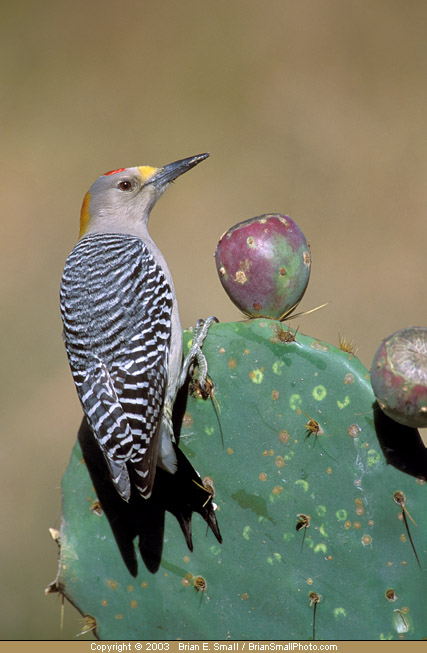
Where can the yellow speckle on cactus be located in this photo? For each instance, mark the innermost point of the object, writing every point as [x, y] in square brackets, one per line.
[321, 511]
[246, 532]
[343, 404]
[322, 531]
[295, 401]
[373, 457]
[209, 430]
[339, 612]
[277, 367]
[257, 376]
[341, 515]
[215, 550]
[302, 484]
[319, 392]
[320, 548]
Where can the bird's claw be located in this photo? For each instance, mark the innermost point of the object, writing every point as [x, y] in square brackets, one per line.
[195, 354]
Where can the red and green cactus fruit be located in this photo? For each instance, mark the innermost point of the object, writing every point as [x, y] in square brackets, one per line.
[264, 265]
[399, 376]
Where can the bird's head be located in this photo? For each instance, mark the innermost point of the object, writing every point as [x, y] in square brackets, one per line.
[121, 200]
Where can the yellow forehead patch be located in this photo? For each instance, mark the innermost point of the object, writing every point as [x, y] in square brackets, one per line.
[84, 215]
[147, 172]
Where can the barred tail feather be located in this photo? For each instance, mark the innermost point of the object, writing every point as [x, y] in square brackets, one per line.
[120, 476]
[143, 469]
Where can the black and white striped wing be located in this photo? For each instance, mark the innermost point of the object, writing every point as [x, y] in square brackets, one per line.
[116, 307]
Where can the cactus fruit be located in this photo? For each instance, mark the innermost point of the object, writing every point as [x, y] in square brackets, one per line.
[264, 265]
[315, 493]
[399, 376]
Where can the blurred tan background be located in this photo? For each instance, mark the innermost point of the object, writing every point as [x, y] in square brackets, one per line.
[313, 109]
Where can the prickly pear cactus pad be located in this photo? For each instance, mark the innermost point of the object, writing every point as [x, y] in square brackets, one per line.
[318, 537]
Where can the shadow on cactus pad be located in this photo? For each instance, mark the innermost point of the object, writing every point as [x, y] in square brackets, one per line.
[318, 537]
[141, 519]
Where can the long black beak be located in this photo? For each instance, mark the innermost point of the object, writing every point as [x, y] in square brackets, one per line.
[173, 170]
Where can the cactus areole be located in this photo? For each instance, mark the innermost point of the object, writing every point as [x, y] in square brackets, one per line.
[399, 376]
[264, 265]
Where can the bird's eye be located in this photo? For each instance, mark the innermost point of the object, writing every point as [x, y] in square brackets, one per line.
[125, 185]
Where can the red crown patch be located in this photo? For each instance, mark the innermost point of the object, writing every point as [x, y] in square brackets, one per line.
[113, 172]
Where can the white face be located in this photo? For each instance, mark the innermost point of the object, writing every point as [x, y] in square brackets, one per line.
[126, 189]
[120, 200]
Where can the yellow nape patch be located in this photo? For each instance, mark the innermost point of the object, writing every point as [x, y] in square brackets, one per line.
[147, 172]
[84, 215]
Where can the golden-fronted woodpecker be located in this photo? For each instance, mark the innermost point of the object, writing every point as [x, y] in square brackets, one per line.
[122, 329]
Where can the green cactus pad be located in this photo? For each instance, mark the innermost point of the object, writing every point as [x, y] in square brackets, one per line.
[306, 504]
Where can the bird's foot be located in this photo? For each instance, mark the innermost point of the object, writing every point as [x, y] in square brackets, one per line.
[195, 354]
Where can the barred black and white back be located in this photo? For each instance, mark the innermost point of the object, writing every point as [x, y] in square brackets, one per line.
[116, 307]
